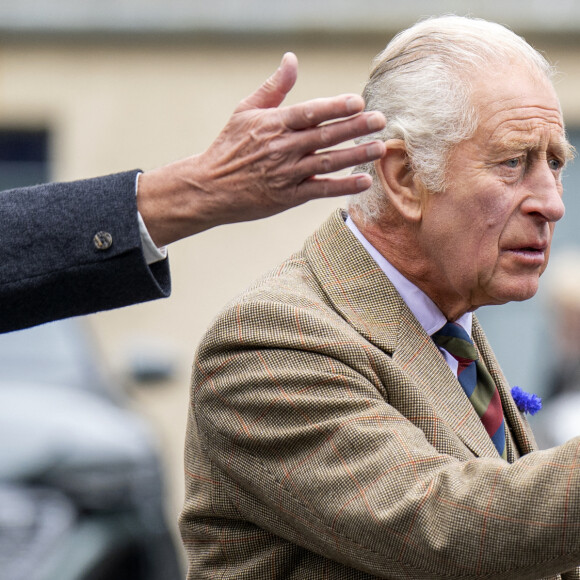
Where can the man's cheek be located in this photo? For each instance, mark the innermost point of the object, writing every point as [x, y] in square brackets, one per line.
[495, 208]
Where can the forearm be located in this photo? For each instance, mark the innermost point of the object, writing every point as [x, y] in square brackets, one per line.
[57, 263]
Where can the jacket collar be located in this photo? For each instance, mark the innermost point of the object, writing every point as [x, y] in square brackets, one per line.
[363, 295]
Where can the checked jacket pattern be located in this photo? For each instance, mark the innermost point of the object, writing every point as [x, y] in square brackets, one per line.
[328, 439]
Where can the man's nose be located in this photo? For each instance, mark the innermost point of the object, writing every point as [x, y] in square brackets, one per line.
[545, 194]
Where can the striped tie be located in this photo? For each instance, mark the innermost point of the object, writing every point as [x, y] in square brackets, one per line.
[475, 380]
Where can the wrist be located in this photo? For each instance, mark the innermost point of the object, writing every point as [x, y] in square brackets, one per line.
[171, 201]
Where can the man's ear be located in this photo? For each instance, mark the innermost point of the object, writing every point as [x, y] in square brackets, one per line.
[398, 180]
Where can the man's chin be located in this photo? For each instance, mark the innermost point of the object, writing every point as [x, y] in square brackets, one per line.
[517, 291]
[520, 293]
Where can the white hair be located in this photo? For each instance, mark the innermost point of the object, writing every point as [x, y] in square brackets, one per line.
[421, 82]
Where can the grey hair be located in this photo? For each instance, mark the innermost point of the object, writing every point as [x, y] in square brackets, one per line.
[421, 82]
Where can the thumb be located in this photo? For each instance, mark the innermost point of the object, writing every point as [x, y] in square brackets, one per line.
[274, 89]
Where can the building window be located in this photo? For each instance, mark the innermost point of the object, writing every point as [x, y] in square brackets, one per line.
[23, 157]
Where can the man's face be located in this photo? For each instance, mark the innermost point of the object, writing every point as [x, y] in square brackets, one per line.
[488, 234]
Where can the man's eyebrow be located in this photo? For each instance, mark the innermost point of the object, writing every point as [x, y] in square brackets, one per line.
[566, 149]
[562, 147]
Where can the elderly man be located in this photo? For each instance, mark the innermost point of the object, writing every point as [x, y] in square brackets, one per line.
[343, 424]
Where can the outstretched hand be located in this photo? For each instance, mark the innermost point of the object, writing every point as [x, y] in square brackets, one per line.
[266, 159]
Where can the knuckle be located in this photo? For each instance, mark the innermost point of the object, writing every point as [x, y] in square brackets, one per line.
[278, 182]
[308, 112]
[325, 163]
[276, 150]
[325, 136]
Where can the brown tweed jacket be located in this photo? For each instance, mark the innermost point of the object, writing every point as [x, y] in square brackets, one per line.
[328, 439]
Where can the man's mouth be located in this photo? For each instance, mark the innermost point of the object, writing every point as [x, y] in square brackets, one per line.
[532, 255]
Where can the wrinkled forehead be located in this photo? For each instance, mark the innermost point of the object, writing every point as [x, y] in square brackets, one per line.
[532, 134]
[518, 107]
[518, 122]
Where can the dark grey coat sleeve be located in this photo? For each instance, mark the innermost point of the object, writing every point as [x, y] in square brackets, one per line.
[50, 266]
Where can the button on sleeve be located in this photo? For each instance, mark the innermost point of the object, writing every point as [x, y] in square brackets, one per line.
[103, 241]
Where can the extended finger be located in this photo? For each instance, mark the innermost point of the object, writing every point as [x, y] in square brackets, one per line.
[330, 134]
[337, 159]
[319, 187]
[316, 111]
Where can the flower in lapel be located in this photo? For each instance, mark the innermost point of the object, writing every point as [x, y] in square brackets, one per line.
[526, 402]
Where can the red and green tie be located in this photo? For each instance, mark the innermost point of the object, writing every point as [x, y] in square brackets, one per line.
[475, 380]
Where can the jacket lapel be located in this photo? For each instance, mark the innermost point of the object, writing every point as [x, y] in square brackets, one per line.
[366, 299]
[422, 360]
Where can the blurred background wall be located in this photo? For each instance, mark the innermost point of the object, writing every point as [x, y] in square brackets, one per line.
[96, 87]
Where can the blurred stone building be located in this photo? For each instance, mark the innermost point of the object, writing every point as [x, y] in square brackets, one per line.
[91, 87]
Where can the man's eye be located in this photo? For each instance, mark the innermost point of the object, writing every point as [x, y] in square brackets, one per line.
[555, 164]
[513, 163]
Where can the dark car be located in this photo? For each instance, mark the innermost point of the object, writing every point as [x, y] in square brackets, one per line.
[81, 489]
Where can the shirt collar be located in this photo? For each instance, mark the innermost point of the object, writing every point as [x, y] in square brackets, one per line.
[422, 307]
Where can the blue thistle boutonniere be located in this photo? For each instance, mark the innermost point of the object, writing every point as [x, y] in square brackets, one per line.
[526, 402]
